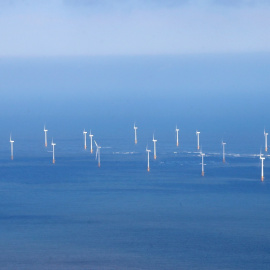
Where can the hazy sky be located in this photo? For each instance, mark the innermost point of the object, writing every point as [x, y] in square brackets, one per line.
[119, 27]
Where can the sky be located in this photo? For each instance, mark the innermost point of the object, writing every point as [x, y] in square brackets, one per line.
[34, 28]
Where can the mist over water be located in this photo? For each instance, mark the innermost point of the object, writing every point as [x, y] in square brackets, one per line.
[215, 93]
[74, 215]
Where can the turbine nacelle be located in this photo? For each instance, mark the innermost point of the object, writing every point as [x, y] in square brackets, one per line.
[10, 140]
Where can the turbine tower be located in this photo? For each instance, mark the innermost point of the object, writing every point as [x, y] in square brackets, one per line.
[265, 136]
[198, 139]
[98, 153]
[53, 145]
[202, 154]
[84, 132]
[155, 150]
[223, 148]
[262, 159]
[177, 131]
[91, 142]
[11, 147]
[135, 130]
[45, 131]
[148, 163]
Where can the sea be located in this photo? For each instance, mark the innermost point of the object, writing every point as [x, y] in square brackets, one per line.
[76, 215]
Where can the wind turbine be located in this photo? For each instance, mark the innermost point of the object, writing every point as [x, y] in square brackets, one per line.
[265, 136]
[53, 145]
[177, 131]
[198, 139]
[11, 146]
[135, 130]
[262, 159]
[202, 154]
[148, 163]
[98, 153]
[91, 142]
[223, 148]
[155, 150]
[45, 131]
[84, 132]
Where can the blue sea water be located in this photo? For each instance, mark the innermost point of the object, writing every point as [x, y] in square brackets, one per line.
[74, 215]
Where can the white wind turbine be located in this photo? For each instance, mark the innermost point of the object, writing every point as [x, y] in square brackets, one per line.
[11, 146]
[198, 139]
[53, 145]
[148, 163]
[135, 130]
[265, 136]
[98, 153]
[223, 151]
[177, 131]
[45, 131]
[262, 159]
[91, 142]
[155, 150]
[84, 132]
[202, 154]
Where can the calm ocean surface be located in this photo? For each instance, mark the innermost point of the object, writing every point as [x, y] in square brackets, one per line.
[74, 215]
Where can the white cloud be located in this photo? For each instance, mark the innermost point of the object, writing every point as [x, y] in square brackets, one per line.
[32, 28]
